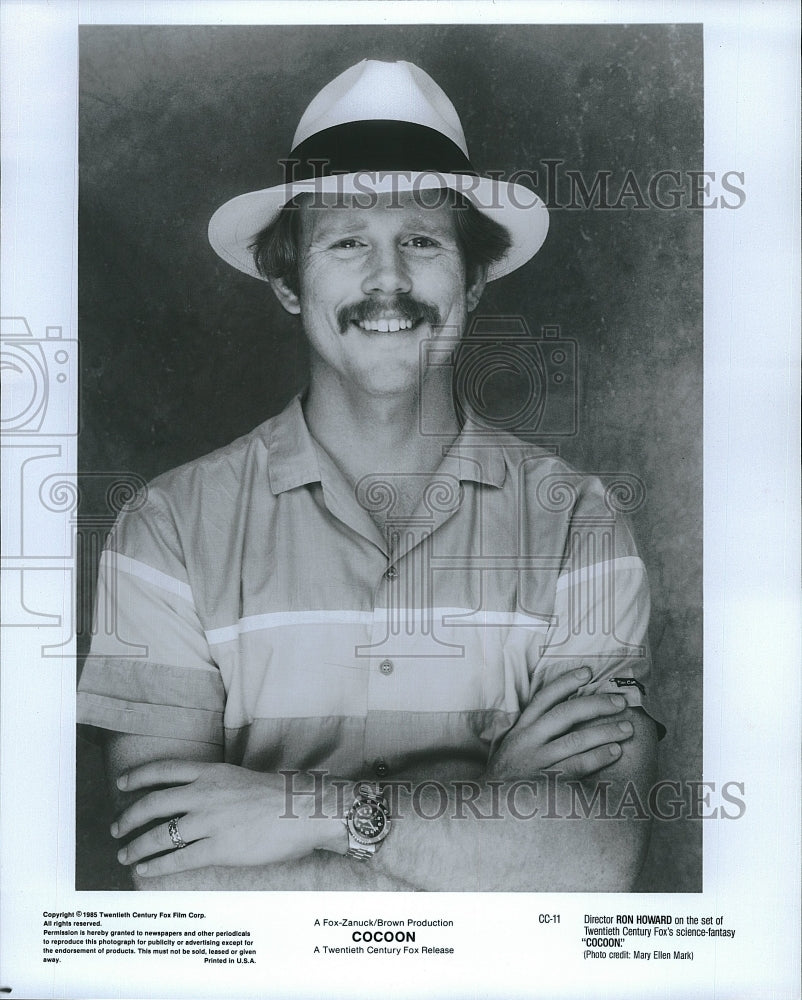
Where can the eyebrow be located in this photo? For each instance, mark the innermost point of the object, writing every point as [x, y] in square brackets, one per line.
[336, 223]
[342, 220]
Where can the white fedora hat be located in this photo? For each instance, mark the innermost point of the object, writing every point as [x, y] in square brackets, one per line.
[381, 126]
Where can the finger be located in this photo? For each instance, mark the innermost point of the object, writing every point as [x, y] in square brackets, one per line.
[554, 692]
[580, 741]
[158, 840]
[568, 714]
[581, 765]
[161, 772]
[199, 855]
[155, 805]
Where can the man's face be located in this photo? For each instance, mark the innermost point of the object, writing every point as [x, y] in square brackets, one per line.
[375, 282]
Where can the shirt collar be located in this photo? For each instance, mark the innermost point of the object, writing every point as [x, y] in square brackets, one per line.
[292, 455]
[476, 455]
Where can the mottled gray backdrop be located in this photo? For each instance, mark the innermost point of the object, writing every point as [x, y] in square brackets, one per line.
[180, 353]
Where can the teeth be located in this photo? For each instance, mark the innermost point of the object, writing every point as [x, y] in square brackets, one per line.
[386, 325]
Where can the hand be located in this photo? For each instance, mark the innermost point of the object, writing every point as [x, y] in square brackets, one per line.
[571, 735]
[227, 816]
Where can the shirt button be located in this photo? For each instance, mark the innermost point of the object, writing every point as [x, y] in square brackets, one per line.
[380, 768]
[386, 666]
[391, 573]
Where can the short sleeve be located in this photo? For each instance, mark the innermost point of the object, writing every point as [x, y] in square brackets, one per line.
[149, 670]
[601, 607]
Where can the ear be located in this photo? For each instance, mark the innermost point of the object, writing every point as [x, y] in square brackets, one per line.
[286, 296]
[476, 286]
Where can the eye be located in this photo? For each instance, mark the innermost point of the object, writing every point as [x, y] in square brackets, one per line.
[422, 242]
[347, 243]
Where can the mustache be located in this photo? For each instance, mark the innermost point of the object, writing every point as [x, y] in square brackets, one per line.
[400, 306]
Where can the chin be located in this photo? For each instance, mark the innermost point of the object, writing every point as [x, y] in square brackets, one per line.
[391, 383]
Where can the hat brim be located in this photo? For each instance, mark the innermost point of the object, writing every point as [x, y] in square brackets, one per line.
[236, 224]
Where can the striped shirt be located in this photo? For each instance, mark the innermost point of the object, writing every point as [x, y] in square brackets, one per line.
[248, 599]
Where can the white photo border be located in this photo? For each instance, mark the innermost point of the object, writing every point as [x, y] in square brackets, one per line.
[752, 684]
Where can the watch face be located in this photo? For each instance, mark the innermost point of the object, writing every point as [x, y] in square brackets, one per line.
[369, 821]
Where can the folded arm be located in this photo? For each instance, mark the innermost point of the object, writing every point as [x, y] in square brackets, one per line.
[531, 822]
[539, 832]
[317, 869]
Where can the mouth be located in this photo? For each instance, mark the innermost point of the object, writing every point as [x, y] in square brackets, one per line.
[391, 324]
[398, 315]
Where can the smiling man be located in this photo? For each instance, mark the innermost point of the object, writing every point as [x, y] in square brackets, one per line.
[378, 650]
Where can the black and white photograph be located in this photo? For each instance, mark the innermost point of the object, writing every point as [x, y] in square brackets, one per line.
[400, 499]
[477, 446]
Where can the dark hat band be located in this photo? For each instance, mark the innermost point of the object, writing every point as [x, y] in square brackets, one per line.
[374, 146]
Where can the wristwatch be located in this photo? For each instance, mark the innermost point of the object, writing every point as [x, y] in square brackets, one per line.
[367, 821]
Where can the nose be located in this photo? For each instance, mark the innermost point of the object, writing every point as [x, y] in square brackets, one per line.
[386, 273]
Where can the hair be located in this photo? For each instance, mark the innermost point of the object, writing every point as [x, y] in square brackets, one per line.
[483, 241]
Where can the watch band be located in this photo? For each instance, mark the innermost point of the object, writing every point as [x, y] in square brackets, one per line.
[361, 846]
[360, 853]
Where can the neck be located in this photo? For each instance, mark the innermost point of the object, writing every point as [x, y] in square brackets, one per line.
[367, 434]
